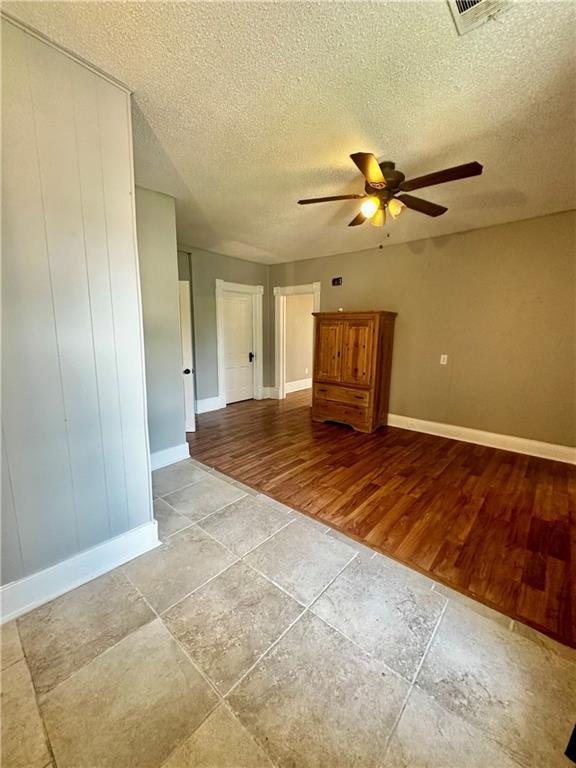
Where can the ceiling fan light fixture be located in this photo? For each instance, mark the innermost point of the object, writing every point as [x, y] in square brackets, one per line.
[388, 193]
[379, 218]
[370, 206]
[395, 207]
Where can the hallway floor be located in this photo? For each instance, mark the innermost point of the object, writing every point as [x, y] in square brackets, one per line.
[256, 637]
[498, 526]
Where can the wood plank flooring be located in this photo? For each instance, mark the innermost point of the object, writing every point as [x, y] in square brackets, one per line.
[497, 526]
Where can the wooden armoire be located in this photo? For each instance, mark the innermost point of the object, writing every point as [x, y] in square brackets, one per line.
[352, 362]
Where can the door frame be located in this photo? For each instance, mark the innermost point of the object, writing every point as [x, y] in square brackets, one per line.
[280, 293]
[257, 292]
[188, 383]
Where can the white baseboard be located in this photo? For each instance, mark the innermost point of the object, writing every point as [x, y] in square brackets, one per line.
[23, 595]
[169, 456]
[210, 404]
[491, 439]
[216, 403]
[296, 386]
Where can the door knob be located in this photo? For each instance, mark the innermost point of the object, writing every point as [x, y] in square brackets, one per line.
[186, 370]
[250, 356]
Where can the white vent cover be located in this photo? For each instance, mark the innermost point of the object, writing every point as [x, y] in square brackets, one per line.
[469, 14]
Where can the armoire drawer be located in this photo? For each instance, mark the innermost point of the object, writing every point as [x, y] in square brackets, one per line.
[333, 411]
[342, 394]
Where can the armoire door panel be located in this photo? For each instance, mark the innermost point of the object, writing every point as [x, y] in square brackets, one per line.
[358, 352]
[328, 358]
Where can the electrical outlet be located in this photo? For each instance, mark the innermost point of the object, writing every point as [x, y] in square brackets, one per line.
[443, 359]
[306, 371]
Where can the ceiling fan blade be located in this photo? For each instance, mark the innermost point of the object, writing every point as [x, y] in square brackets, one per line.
[368, 167]
[440, 177]
[359, 219]
[422, 206]
[379, 218]
[329, 199]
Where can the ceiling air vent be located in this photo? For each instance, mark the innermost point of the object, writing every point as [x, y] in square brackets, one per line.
[469, 14]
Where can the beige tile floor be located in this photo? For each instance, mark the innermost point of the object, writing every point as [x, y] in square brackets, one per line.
[253, 637]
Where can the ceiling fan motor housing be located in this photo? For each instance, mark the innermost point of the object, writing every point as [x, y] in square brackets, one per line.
[393, 180]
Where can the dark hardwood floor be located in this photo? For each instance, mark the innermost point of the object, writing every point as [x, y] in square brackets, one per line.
[498, 526]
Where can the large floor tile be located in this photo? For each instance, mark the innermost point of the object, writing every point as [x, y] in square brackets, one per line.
[63, 635]
[473, 605]
[517, 692]
[201, 499]
[314, 524]
[227, 624]
[10, 648]
[181, 564]
[428, 736]
[175, 476]
[131, 707]
[237, 483]
[386, 611]
[245, 524]
[275, 503]
[23, 739]
[317, 700]
[301, 560]
[545, 642]
[169, 521]
[220, 742]
[200, 465]
[404, 571]
[357, 545]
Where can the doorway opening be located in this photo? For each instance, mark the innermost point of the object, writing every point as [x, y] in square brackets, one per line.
[294, 305]
[239, 341]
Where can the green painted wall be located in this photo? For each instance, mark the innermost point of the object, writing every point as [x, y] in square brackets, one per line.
[157, 256]
[205, 268]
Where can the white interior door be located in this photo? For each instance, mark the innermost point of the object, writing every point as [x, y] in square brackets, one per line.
[187, 354]
[238, 346]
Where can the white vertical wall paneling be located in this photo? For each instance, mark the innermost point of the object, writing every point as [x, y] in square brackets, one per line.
[33, 411]
[12, 563]
[74, 404]
[113, 108]
[51, 84]
[85, 85]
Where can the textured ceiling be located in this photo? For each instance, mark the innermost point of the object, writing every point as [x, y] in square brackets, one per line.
[242, 108]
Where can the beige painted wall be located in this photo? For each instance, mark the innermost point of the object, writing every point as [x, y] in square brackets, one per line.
[299, 336]
[500, 302]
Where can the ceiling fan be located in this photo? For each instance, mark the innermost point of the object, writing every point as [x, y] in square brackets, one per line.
[384, 185]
